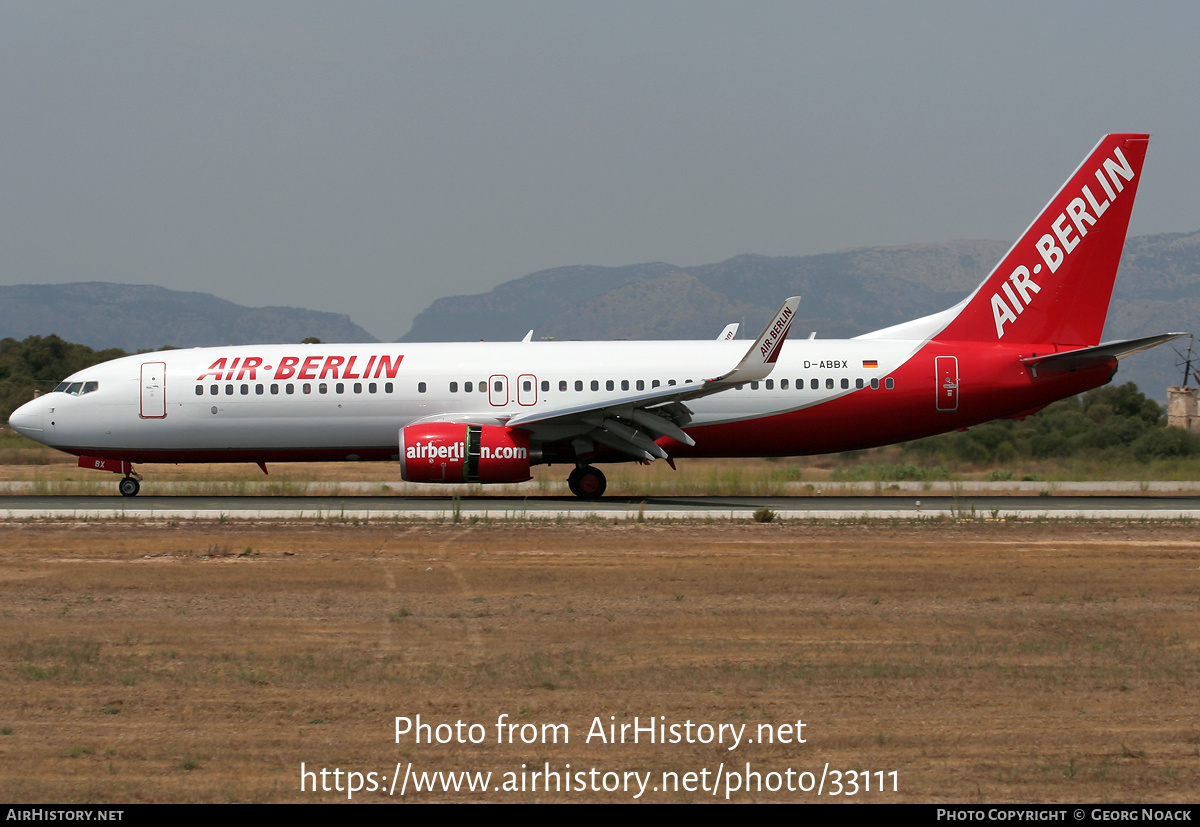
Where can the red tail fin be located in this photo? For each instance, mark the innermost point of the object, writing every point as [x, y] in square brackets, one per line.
[1055, 283]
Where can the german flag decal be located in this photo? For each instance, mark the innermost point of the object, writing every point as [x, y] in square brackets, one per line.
[870, 363]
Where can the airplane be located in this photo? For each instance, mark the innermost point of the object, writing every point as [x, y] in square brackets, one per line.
[485, 412]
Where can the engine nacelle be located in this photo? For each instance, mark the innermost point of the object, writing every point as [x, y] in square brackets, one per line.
[456, 452]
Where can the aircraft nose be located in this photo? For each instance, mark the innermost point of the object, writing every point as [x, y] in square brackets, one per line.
[28, 419]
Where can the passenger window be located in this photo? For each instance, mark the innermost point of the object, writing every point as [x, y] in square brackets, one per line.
[753, 386]
[468, 387]
[199, 390]
[578, 385]
[874, 384]
[214, 390]
[323, 388]
[482, 386]
[814, 384]
[608, 385]
[371, 387]
[498, 386]
[258, 389]
[358, 387]
[624, 384]
[525, 386]
[654, 383]
[420, 387]
[229, 390]
[545, 386]
[274, 390]
[340, 387]
[891, 383]
[858, 383]
[595, 385]
[306, 387]
[670, 382]
[562, 384]
[845, 384]
[289, 387]
[387, 387]
[783, 384]
[453, 387]
[770, 383]
[829, 384]
[641, 384]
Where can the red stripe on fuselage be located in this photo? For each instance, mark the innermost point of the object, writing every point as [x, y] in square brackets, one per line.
[992, 384]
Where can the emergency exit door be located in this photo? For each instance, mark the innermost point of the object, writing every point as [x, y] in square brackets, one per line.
[947, 383]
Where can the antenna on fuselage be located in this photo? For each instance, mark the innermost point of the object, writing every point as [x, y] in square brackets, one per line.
[1186, 360]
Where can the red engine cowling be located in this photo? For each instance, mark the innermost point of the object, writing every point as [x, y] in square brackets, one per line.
[456, 452]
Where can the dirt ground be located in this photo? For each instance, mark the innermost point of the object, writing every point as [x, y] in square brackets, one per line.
[944, 662]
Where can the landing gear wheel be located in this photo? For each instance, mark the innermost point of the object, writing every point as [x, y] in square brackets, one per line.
[587, 483]
[129, 487]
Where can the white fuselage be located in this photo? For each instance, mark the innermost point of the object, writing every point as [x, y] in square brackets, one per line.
[347, 398]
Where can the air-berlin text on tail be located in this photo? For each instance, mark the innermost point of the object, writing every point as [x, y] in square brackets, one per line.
[375, 366]
[1069, 228]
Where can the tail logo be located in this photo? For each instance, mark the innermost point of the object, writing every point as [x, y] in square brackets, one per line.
[1069, 228]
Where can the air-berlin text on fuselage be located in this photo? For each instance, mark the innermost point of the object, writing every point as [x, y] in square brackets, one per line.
[375, 366]
[1019, 290]
[457, 450]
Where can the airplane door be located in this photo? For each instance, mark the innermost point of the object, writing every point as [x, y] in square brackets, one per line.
[947, 383]
[498, 390]
[526, 389]
[154, 390]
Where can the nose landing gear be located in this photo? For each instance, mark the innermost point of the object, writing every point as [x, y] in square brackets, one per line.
[130, 484]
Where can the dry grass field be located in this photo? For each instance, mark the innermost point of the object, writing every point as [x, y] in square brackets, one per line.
[979, 662]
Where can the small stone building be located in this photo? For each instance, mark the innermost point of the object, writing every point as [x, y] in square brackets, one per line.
[1182, 411]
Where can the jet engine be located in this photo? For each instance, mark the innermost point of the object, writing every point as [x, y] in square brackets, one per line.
[456, 452]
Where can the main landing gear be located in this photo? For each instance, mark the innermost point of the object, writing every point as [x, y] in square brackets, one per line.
[130, 484]
[587, 482]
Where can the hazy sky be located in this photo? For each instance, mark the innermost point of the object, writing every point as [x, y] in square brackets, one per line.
[367, 158]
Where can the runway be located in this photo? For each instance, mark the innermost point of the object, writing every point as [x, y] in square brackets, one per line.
[1149, 507]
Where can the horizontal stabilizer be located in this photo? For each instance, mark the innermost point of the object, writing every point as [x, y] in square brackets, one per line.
[1098, 355]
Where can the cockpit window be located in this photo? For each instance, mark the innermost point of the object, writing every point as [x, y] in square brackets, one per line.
[76, 388]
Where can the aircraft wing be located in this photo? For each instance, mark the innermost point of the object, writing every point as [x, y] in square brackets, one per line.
[630, 424]
[1098, 354]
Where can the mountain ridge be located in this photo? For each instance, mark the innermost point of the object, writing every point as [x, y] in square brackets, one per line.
[133, 317]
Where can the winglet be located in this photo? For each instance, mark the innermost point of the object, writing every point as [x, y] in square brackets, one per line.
[761, 357]
[729, 332]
